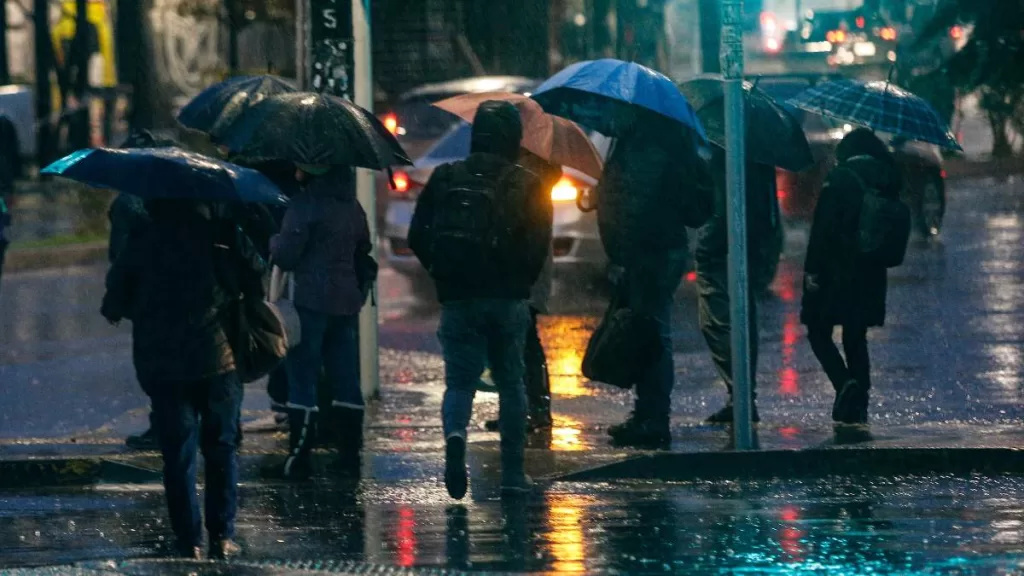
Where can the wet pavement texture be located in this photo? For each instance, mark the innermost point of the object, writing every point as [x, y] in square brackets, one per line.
[908, 525]
[948, 359]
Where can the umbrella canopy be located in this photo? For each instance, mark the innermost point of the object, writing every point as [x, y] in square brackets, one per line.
[774, 136]
[166, 173]
[554, 139]
[316, 129]
[879, 106]
[606, 94]
[213, 109]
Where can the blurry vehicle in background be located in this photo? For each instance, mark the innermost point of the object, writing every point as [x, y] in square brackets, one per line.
[17, 107]
[577, 244]
[925, 192]
[417, 124]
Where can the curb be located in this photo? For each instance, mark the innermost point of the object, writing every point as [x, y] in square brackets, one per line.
[23, 260]
[679, 467]
[173, 566]
[44, 473]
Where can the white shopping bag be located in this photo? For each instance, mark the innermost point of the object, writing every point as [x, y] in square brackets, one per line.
[280, 281]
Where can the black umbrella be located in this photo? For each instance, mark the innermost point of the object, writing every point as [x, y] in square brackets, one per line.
[317, 129]
[774, 136]
[214, 109]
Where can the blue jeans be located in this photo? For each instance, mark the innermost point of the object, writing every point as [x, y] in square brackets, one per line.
[650, 283]
[330, 342]
[204, 412]
[475, 334]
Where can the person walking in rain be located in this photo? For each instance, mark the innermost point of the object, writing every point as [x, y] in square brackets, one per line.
[654, 185]
[712, 259]
[323, 235]
[841, 286]
[538, 383]
[482, 228]
[168, 282]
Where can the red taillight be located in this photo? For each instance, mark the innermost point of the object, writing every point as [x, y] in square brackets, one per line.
[860, 22]
[691, 276]
[943, 174]
[956, 32]
[769, 23]
[888, 33]
[391, 123]
[400, 182]
[772, 45]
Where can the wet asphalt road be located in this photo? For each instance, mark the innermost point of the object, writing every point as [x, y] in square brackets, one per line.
[912, 525]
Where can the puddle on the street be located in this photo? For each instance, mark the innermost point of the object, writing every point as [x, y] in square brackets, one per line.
[885, 526]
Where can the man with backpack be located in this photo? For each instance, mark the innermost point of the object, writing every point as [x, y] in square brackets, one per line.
[860, 229]
[482, 228]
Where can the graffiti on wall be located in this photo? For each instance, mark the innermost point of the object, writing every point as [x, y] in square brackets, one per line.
[187, 44]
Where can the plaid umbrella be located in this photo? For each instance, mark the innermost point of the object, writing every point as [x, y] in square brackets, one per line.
[880, 106]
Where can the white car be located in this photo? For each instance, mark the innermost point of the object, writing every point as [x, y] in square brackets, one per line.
[577, 245]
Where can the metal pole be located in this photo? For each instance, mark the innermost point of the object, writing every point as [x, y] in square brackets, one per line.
[735, 169]
[44, 95]
[302, 74]
[5, 70]
[369, 358]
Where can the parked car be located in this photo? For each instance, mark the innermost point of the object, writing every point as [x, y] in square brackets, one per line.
[577, 244]
[925, 190]
[18, 108]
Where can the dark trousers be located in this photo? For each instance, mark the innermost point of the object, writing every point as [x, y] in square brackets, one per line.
[538, 387]
[856, 366]
[713, 312]
[205, 413]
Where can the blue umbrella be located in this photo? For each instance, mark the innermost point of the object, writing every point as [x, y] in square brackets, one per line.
[166, 173]
[599, 93]
[880, 106]
[216, 107]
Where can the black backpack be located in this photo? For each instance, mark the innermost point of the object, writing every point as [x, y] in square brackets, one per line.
[884, 227]
[466, 233]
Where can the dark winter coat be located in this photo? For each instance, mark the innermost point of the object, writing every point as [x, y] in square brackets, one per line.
[524, 211]
[323, 229]
[762, 216]
[851, 292]
[641, 198]
[167, 281]
[127, 214]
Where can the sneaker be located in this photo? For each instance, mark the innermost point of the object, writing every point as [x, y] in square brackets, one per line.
[646, 433]
[522, 485]
[851, 405]
[189, 553]
[534, 422]
[724, 416]
[455, 477]
[224, 550]
[145, 441]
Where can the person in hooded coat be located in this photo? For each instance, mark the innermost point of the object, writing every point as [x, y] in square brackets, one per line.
[324, 229]
[170, 282]
[840, 288]
[484, 299]
[653, 182]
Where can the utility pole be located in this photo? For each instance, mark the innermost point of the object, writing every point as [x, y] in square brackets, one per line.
[5, 69]
[710, 35]
[335, 57]
[44, 59]
[78, 62]
[735, 170]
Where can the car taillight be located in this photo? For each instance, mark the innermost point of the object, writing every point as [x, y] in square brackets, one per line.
[564, 191]
[404, 187]
[772, 45]
[943, 174]
[400, 182]
[956, 32]
[836, 36]
[860, 22]
[391, 123]
[887, 33]
[769, 23]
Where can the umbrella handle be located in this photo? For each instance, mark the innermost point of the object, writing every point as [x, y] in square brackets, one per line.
[391, 178]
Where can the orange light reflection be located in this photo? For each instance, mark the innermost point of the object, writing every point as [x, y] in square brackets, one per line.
[565, 533]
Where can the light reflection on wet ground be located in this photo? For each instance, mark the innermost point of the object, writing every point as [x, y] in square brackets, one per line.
[904, 525]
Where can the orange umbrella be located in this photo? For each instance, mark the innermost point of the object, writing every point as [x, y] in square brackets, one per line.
[554, 139]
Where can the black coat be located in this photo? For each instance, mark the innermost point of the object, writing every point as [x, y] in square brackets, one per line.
[167, 281]
[851, 292]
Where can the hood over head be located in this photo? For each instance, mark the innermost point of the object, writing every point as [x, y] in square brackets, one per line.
[338, 182]
[497, 129]
[863, 142]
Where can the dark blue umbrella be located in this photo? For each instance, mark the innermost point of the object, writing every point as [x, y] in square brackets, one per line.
[604, 94]
[216, 107]
[880, 106]
[166, 173]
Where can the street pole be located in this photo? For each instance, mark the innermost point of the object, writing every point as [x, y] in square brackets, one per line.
[5, 70]
[334, 57]
[44, 59]
[735, 169]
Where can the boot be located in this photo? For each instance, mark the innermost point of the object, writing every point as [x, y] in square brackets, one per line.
[301, 426]
[851, 405]
[347, 432]
[642, 433]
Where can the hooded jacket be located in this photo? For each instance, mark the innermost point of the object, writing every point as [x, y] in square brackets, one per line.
[850, 291]
[523, 211]
[323, 229]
